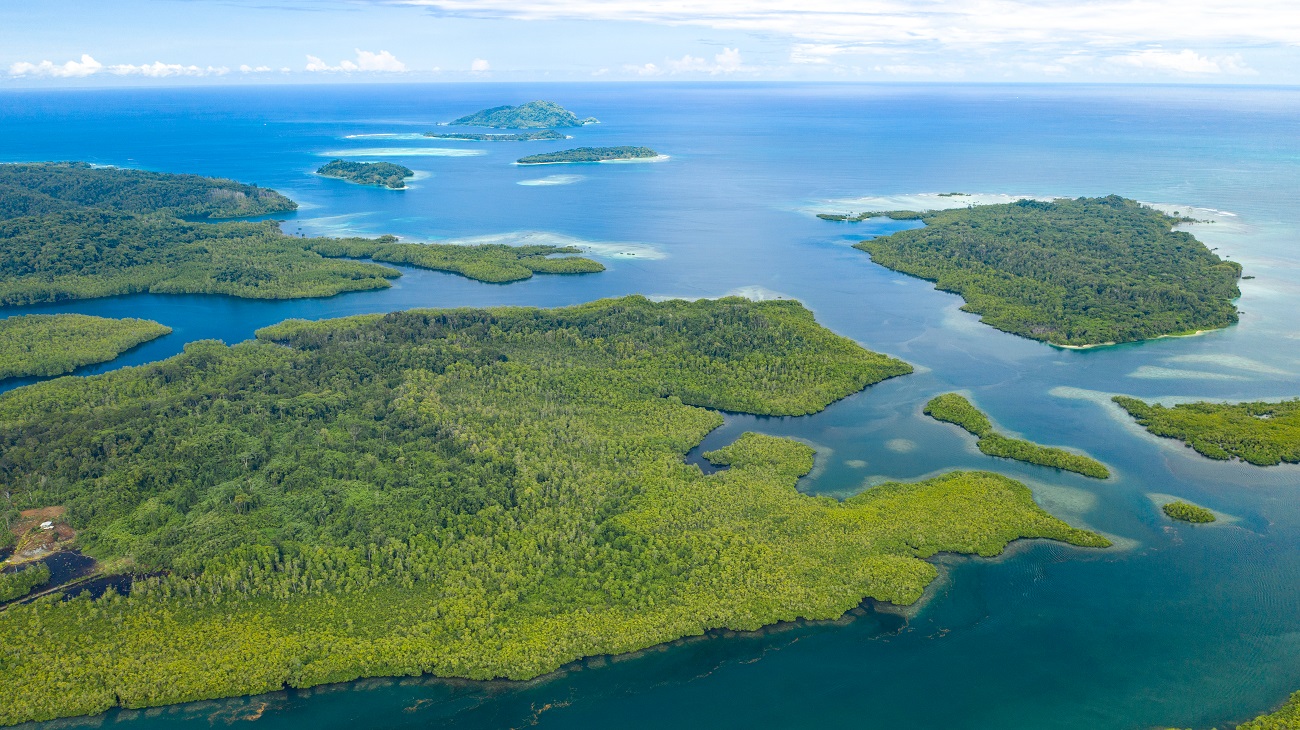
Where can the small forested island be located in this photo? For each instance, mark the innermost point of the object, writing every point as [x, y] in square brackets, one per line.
[383, 174]
[533, 115]
[54, 344]
[521, 137]
[468, 492]
[955, 409]
[589, 154]
[1082, 272]
[1188, 512]
[70, 231]
[1261, 433]
[491, 262]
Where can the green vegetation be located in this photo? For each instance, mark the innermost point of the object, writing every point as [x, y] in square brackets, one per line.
[533, 115]
[28, 189]
[490, 262]
[1187, 512]
[1261, 433]
[54, 344]
[384, 174]
[898, 215]
[473, 493]
[953, 408]
[21, 582]
[1287, 717]
[97, 237]
[589, 154]
[1070, 272]
[523, 137]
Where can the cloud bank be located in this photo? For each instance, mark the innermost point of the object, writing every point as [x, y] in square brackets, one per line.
[366, 61]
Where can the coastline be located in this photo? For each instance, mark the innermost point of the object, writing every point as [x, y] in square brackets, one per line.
[656, 158]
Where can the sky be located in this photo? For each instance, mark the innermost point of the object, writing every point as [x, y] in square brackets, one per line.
[194, 42]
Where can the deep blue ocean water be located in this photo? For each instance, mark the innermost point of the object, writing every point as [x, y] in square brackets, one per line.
[1179, 625]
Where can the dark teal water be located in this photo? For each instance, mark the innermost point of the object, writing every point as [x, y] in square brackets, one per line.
[1176, 625]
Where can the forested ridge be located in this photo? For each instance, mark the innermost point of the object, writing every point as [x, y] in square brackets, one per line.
[473, 493]
[117, 232]
[54, 344]
[1259, 432]
[531, 115]
[491, 262]
[1070, 272]
[955, 409]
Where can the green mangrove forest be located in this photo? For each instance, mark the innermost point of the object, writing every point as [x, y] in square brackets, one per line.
[491, 262]
[955, 409]
[532, 115]
[521, 137]
[465, 492]
[1261, 433]
[1188, 512]
[382, 174]
[1079, 272]
[54, 344]
[589, 154]
[71, 231]
[20, 582]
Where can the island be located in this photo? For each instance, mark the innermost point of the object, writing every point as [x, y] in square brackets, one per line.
[533, 115]
[469, 493]
[1258, 432]
[383, 174]
[589, 154]
[70, 231]
[1188, 512]
[955, 409]
[494, 263]
[1072, 273]
[54, 344]
[522, 137]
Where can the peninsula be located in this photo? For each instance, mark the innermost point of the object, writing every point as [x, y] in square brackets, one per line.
[495, 263]
[953, 408]
[521, 137]
[468, 492]
[1261, 433]
[382, 174]
[1083, 272]
[54, 344]
[70, 231]
[533, 115]
[589, 154]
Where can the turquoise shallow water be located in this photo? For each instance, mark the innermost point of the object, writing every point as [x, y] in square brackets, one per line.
[1177, 625]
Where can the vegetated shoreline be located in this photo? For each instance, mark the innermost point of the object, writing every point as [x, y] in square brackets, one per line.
[656, 158]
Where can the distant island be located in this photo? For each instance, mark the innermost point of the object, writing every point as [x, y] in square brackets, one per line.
[521, 137]
[70, 231]
[589, 154]
[955, 409]
[898, 215]
[54, 344]
[383, 174]
[1188, 512]
[1091, 271]
[533, 115]
[513, 490]
[1258, 432]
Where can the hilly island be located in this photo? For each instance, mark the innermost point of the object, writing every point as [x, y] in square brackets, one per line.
[1083, 272]
[465, 492]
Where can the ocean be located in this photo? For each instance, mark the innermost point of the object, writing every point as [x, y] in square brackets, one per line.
[1177, 625]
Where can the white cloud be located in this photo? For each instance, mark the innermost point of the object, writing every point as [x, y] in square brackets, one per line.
[255, 70]
[480, 66]
[648, 69]
[87, 66]
[1185, 61]
[864, 24]
[160, 70]
[727, 62]
[367, 61]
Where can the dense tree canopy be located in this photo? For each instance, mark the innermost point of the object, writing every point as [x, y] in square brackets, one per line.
[1261, 433]
[472, 493]
[532, 115]
[1188, 512]
[384, 174]
[54, 344]
[71, 231]
[953, 408]
[1070, 272]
